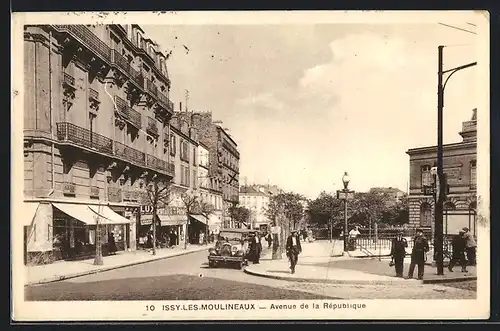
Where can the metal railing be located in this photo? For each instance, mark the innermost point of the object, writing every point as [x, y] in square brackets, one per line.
[130, 195]
[151, 87]
[122, 63]
[86, 37]
[68, 79]
[130, 114]
[130, 154]
[69, 132]
[94, 191]
[152, 127]
[93, 94]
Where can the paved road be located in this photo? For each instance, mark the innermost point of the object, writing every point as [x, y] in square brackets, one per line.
[188, 277]
[184, 277]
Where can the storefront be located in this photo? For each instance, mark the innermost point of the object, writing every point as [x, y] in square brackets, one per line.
[74, 230]
[198, 227]
[169, 232]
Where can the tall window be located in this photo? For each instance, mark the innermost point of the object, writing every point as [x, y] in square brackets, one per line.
[172, 145]
[425, 175]
[194, 178]
[472, 176]
[425, 214]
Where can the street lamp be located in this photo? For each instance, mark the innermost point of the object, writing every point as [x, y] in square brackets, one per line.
[345, 195]
[438, 239]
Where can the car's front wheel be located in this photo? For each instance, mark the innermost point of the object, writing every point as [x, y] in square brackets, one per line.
[241, 264]
[211, 264]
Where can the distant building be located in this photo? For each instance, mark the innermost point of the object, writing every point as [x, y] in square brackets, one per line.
[394, 194]
[256, 198]
[460, 167]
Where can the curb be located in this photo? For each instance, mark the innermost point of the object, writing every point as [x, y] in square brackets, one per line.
[449, 280]
[96, 271]
[329, 281]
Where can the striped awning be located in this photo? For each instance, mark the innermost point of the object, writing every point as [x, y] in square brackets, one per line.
[165, 220]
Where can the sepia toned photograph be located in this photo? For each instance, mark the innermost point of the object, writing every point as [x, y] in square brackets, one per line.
[246, 165]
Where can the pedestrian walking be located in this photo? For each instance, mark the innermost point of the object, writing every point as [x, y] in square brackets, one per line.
[418, 254]
[458, 254]
[111, 244]
[255, 248]
[398, 253]
[269, 239]
[293, 249]
[173, 239]
[470, 247]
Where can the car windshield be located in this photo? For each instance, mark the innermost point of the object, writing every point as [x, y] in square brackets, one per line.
[230, 236]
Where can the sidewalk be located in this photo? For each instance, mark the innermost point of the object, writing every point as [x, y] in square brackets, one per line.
[61, 270]
[346, 269]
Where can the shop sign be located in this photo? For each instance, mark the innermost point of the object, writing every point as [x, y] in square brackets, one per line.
[127, 213]
[146, 210]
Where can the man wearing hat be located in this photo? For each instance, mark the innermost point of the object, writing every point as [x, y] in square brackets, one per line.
[398, 253]
[470, 246]
[418, 254]
[293, 249]
[458, 255]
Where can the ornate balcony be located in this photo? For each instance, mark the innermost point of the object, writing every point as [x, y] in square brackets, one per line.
[151, 88]
[121, 62]
[130, 154]
[76, 135]
[132, 116]
[114, 194]
[152, 127]
[87, 38]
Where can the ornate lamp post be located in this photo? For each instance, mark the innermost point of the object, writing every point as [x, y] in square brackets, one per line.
[345, 195]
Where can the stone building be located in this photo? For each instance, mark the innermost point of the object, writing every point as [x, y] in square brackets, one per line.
[210, 192]
[96, 132]
[256, 199]
[460, 168]
[224, 159]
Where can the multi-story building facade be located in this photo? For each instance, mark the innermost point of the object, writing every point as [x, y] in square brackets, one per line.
[256, 199]
[210, 189]
[460, 169]
[96, 119]
[224, 159]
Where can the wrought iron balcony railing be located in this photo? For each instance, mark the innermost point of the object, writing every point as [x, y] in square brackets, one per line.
[93, 94]
[152, 127]
[121, 62]
[166, 103]
[130, 154]
[87, 38]
[134, 117]
[114, 194]
[69, 188]
[130, 195]
[77, 135]
[151, 87]
[68, 79]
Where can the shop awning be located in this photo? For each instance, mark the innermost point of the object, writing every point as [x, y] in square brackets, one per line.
[199, 218]
[172, 219]
[80, 212]
[166, 220]
[29, 212]
[109, 216]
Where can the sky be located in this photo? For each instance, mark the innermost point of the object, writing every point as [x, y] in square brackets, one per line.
[307, 102]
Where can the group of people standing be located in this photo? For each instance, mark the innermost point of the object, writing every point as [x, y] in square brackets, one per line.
[462, 244]
[167, 239]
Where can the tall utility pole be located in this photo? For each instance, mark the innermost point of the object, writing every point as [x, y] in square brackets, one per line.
[438, 231]
[438, 214]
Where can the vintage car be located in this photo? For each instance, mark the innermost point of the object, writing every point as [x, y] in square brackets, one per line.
[231, 248]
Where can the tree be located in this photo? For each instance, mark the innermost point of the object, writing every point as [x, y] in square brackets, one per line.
[206, 209]
[286, 210]
[191, 203]
[326, 209]
[368, 208]
[158, 195]
[239, 214]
